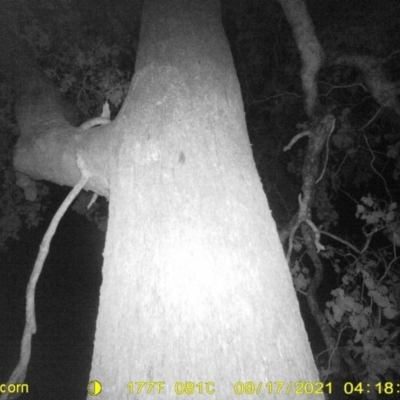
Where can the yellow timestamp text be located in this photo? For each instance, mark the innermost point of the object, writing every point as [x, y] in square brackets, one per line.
[179, 387]
[283, 388]
[14, 388]
[381, 388]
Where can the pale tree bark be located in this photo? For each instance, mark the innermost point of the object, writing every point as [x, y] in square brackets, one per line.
[195, 284]
[193, 264]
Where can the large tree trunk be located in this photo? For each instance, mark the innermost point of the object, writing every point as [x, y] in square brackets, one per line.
[195, 284]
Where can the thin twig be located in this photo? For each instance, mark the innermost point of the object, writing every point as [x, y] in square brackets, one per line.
[19, 372]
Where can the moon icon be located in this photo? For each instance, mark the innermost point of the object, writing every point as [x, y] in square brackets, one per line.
[94, 388]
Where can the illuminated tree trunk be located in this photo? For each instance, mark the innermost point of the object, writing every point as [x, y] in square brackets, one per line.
[195, 284]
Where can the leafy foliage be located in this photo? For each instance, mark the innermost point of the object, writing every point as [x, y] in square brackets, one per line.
[367, 303]
[93, 77]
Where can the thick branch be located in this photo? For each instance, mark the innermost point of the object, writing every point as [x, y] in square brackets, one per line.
[311, 52]
[49, 139]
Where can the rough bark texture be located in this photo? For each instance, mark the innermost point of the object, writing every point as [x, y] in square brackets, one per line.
[195, 284]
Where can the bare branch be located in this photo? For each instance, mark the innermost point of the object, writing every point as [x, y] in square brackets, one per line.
[19, 373]
[311, 52]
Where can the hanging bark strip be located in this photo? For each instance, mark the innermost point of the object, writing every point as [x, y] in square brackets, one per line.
[19, 372]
